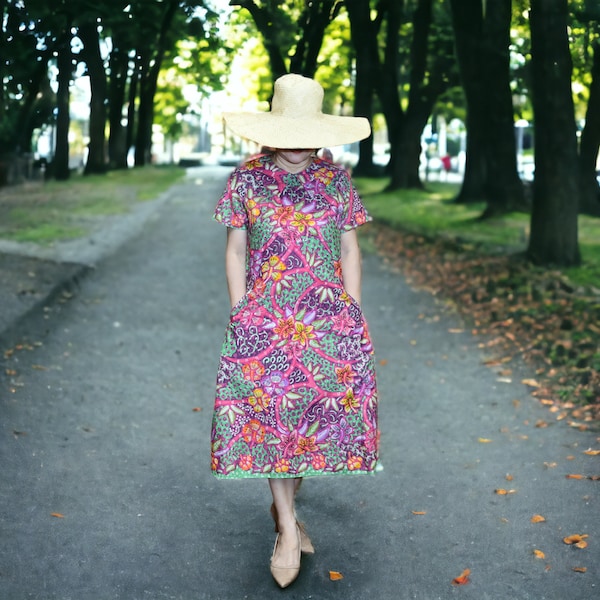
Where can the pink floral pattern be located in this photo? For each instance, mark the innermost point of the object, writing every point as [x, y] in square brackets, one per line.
[296, 392]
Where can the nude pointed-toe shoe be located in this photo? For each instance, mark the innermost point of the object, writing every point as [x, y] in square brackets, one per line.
[284, 576]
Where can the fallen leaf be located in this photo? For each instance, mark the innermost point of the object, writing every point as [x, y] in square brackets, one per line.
[541, 424]
[570, 457]
[538, 519]
[483, 440]
[39, 367]
[335, 575]
[550, 465]
[455, 330]
[463, 578]
[575, 476]
[539, 554]
[57, 515]
[419, 512]
[582, 544]
[503, 492]
[575, 538]
[530, 382]
[383, 362]
[196, 409]
[591, 452]
[508, 477]
[580, 569]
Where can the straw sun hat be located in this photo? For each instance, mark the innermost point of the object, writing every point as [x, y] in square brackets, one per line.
[296, 119]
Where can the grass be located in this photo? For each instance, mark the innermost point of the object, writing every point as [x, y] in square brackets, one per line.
[432, 213]
[44, 213]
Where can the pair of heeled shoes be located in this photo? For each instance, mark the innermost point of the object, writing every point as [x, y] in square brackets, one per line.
[284, 576]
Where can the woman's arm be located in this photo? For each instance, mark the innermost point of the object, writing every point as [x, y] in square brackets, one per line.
[235, 264]
[351, 264]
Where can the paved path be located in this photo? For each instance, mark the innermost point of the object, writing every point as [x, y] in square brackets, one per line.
[98, 424]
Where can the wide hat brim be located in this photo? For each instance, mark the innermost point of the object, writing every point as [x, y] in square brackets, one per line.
[316, 131]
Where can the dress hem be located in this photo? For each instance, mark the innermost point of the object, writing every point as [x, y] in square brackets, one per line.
[239, 474]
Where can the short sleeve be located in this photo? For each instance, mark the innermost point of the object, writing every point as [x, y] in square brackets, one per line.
[231, 208]
[353, 212]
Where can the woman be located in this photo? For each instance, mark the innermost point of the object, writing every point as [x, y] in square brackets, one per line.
[296, 392]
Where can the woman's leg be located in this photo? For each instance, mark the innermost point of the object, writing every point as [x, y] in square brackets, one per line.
[283, 491]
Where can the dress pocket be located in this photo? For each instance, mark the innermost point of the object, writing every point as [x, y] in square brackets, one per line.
[241, 303]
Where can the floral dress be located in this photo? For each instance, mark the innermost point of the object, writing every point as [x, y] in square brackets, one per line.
[296, 393]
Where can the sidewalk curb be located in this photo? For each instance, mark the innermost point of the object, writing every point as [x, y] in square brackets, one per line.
[33, 277]
[65, 283]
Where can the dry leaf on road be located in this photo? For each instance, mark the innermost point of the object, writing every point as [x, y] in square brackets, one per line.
[463, 578]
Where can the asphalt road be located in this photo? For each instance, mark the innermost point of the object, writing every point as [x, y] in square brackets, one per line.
[105, 488]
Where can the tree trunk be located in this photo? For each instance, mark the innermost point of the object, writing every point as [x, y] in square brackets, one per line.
[467, 20]
[389, 96]
[64, 60]
[134, 84]
[147, 89]
[117, 138]
[145, 113]
[96, 160]
[364, 40]
[313, 23]
[405, 165]
[554, 236]
[504, 188]
[482, 47]
[590, 144]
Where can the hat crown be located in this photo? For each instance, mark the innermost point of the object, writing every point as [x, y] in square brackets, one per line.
[296, 96]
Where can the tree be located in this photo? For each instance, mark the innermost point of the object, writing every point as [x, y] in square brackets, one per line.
[418, 67]
[364, 33]
[26, 100]
[585, 49]
[554, 237]
[90, 36]
[590, 142]
[482, 46]
[295, 29]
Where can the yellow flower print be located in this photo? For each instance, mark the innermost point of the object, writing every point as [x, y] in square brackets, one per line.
[354, 462]
[272, 269]
[259, 400]
[302, 220]
[304, 333]
[282, 465]
[349, 401]
[345, 298]
[253, 210]
[325, 175]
